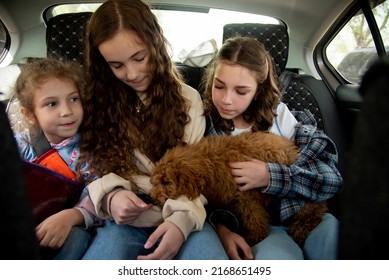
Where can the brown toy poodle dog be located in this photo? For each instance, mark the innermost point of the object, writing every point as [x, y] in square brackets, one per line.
[202, 168]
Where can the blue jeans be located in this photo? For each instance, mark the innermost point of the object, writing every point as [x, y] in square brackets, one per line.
[75, 245]
[124, 242]
[321, 243]
[203, 245]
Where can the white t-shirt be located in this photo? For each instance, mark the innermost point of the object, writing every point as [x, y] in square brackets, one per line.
[283, 125]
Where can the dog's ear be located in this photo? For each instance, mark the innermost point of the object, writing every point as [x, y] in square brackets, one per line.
[190, 185]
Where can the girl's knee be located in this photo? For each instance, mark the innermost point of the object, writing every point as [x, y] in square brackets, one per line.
[278, 245]
[203, 244]
[322, 241]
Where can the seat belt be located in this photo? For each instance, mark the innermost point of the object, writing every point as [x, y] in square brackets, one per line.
[49, 157]
[40, 144]
[285, 78]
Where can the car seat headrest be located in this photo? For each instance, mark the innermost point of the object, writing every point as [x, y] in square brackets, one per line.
[65, 36]
[274, 37]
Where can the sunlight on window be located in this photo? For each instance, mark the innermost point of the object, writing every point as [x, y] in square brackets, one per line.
[74, 8]
[186, 30]
[352, 50]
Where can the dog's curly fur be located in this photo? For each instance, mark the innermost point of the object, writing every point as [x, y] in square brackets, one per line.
[202, 168]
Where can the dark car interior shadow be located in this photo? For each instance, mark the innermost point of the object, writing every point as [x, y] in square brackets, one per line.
[364, 203]
[17, 224]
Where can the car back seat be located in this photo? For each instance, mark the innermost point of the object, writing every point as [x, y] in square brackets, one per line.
[65, 36]
[299, 91]
[192, 75]
[65, 39]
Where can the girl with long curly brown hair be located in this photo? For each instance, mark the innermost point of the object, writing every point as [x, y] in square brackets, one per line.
[136, 108]
[241, 95]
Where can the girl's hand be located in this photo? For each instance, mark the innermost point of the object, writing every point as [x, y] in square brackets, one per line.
[126, 206]
[234, 245]
[171, 242]
[250, 174]
[54, 230]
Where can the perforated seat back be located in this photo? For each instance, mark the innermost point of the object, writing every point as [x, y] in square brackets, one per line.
[274, 37]
[65, 36]
[296, 95]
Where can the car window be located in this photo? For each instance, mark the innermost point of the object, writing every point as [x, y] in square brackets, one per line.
[3, 41]
[184, 29]
[352, 51]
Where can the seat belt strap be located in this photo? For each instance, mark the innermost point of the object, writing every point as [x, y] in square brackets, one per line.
[49, 157]
[40, 144]
[285, 78]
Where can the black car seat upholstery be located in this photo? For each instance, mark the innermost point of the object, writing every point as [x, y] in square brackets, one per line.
[274, 37]
[65, 36]
[192, 75]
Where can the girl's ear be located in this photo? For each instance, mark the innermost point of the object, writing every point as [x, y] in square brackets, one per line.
[30, 117]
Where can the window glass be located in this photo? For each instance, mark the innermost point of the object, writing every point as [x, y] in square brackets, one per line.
[185, 29]
[73, 8]
[3, 41]
[352, 51]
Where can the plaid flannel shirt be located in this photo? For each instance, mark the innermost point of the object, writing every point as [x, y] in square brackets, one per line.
[313, 177]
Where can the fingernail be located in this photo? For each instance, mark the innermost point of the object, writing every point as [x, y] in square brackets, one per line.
[147, 244]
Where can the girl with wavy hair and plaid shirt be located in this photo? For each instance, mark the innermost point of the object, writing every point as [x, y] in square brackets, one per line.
[241, 94]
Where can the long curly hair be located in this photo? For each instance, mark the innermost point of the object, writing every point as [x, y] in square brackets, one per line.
[251, 54]
[112, 128]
